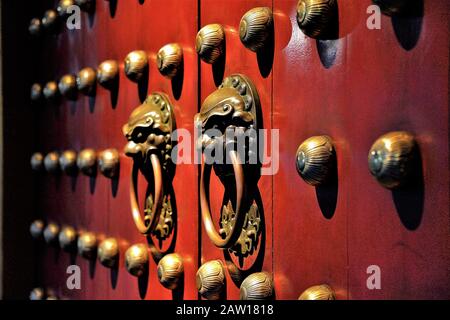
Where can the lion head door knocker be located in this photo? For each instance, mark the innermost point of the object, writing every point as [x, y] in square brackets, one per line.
[149, 134]
[229, 122]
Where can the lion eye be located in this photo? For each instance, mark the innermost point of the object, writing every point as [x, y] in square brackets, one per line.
[148, 120]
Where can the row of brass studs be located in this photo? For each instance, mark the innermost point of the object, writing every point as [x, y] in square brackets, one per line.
[169, 61]
[391, 159]
[90, 246]
[86, 161]
[211, 284]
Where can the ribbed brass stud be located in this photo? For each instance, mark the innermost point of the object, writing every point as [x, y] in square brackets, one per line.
[210, 42]
[169, 59]
[35, 27]
[109, 163]
[67, 238]
[257, 286]
[320, 292]
[392, 158]
[108, 252]
[86, 81]
[51, 90]
[171, 271]
[108, 73]
[37, 161]
[87, 162]
[316, 159]
[68, 86]
[211, 280]
[136, 259]
[62, 7]
[37, 294]
[87, 245]
[37, 229]
[51, 233]
[314, 16]
[68, 162]
[50, 19]
[36, 92]
[136, 64]
[255, 28]
[51, 162]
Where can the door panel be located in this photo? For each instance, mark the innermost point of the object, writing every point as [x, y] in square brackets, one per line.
[309, 100]
[404, 233]
[101, 205]
[238, 60]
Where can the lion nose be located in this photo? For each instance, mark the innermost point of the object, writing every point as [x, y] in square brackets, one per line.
[131, 149]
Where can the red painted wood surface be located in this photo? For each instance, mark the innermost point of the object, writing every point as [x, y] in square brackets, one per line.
[97, 123]
[354, 89]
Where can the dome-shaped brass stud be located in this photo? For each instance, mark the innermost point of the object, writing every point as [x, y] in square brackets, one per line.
[316, 159]
[37, 161]
[136, 64]
[87, 162]
[108, 73]
[314, 16]
[87, 245]
[67, 238]
[62, 7]
[35, 27]
[85, 5]
[37, 294]
[136, 259]
[68, 86]
[210, 42]
[169, 59]
[51, 90]
[320, 292]
[392, 158]
[255, 28]
[51, 295]
[171, 270]
[392, 7]
[108, 252]
[257, 286]
[211, 280]
[68, 162]
[51, 233]
[37, 228]
[36, 92]
[51, 162]
[109, 162]
[86, 81]
[50, 19]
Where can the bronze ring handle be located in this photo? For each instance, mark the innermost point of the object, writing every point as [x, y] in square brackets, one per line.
[157, 175]
[233, 236]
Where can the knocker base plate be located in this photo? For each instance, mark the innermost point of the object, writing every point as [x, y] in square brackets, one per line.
[165, 223]
[248, 240]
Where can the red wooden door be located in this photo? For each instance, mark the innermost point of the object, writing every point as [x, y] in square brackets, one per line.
[99, 204]
[354, 88]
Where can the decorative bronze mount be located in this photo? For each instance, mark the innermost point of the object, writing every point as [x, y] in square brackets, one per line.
[148, 132]
[233, 106]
